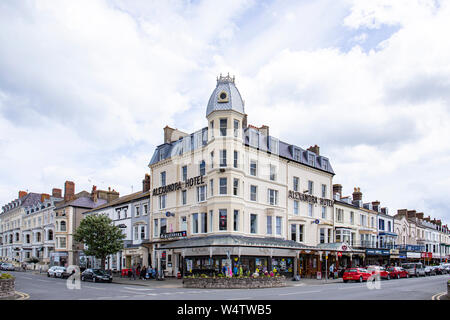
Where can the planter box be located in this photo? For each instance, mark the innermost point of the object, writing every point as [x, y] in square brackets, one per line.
[234, 283]
[7, 287]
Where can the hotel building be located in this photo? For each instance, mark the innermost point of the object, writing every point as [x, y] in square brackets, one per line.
[230, 193]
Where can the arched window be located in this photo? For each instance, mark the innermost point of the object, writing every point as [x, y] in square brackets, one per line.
[17, 236]
[62, 226]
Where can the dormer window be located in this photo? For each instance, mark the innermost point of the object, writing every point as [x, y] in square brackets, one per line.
[312, 160]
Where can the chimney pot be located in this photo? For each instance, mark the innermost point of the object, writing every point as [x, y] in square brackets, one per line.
[22, 194]
[357, 194]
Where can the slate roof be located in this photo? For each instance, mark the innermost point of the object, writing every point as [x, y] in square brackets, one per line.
[82, 201]
[121, 200]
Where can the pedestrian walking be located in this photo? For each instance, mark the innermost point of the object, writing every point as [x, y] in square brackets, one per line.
[235, 270]
[332, 271]
[133, 271]
[143, 272]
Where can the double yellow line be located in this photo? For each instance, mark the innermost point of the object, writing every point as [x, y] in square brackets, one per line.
[22, 295]
[438, 296]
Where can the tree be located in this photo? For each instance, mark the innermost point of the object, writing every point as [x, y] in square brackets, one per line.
[100, 235]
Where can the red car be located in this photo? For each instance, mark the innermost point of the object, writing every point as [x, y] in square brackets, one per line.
[381, 271]
[356, 274]
[398, 272]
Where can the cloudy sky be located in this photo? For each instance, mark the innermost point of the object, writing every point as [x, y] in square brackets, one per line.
[87, 86]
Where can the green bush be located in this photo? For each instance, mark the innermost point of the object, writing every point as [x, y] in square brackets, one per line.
[5, 276]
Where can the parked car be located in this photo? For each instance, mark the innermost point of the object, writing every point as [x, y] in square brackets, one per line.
[356, 274]
[430, 271]
[7, 267]
[415, 269]
[381, 271]
[398, 272]
[96, 275]
[438, 270]
[56, 272]
[445, 267]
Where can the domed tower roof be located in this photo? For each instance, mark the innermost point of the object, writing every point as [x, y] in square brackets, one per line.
[225, 96]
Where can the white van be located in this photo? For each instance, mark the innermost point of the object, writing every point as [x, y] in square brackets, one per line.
[415, 269]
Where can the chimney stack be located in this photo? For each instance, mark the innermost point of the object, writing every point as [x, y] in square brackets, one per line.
[146, 183]
[22, 194]
[44, 196]
[337, 188]
[94, 194]
[427, 219]
[69, 190]
[315, 149]
[357, 194]
[56, 193]
[419, 215]
[403, 212]
[376, 205]
[411, 213]
[264, 130]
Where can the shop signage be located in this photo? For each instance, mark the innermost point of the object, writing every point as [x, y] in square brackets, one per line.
[377, 252]
[344, 247]
[171, 235]
[394, 251]
[309, 198]
[427, 255]
[191, 182]
[339, 254]
[413, 255]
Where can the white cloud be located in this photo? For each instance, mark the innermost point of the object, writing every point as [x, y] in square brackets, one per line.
[86, 88]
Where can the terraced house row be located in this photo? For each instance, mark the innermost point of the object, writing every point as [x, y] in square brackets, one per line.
[229, 194]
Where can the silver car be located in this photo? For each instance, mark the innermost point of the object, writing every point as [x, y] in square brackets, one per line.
[7, 267]
[414, 269]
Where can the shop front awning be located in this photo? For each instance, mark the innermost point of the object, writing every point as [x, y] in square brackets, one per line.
[385, 233]
[235, 245]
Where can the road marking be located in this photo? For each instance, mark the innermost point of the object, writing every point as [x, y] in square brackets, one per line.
[23, 295]
[300, 292]
[244, 298]
[137, 289]
[152, 294]
[44, 280]
[93, 287]
[438, 296]
[29, 278]
[351, 287]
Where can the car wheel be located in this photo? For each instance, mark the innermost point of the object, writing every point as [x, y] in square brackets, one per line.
[110, 281]
[345, 281]
[94, 279]
[48, 275]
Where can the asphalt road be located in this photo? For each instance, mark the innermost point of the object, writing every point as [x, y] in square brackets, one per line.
[39, 287]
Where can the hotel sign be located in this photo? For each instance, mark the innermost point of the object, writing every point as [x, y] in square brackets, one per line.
[199, 180]
[170, 235]
[311, 199]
